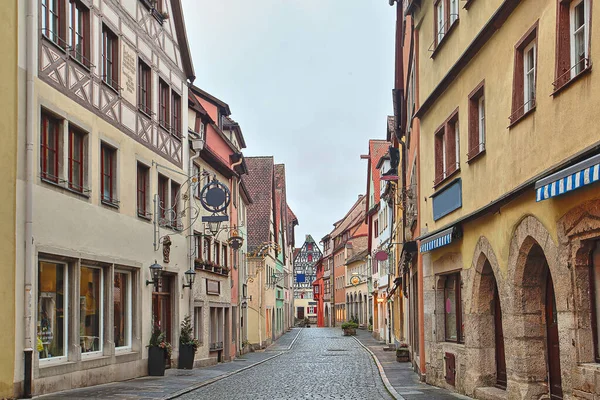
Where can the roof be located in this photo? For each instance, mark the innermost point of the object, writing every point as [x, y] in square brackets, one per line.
[182, 41]
[391, 127]
[358, 257]
[348, 221]
[259, 182]
[381, 160]
[230, 124]
[377, 149]
[207, 96]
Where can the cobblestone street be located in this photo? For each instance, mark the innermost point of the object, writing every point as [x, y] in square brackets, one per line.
[322, 364]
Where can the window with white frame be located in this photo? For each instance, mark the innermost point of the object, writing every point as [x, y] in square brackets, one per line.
[529, 76]
[122, 309]
[440, 15]
[453, 11]
[579, 15]
[198, 324]
[91, 302]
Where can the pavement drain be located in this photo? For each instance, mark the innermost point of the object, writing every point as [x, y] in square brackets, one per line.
[337, 350]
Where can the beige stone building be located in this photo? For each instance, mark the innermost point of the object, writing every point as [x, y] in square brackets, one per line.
[102, 163]
[509, 199]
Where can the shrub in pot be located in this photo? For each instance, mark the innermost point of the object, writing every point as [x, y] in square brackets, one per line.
[188, 345]
[159, 350]
[349, 328]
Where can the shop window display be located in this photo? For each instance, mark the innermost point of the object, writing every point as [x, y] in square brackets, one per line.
[52, 303]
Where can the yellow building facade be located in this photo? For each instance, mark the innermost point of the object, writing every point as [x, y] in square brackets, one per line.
[8, 204]
[509, 200]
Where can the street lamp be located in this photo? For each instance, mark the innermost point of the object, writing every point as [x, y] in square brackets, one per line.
[213, 227]
[155, 273]
[190, 277]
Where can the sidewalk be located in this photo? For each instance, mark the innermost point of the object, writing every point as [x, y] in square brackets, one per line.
[177, 381]
[400, 375]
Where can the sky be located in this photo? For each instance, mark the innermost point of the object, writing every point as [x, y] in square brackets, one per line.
[309, 82]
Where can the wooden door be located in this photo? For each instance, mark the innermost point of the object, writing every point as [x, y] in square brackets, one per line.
[161, 309]
[300, 312]
[500, 357]
[554, 379]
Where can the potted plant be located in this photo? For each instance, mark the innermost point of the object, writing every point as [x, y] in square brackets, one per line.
[188, 345]
[349, 328]
[159, 350]
[402, 353]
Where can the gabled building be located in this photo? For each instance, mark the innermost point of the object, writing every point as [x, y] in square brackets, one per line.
[105, 156]
[327, 261]
[305, 272]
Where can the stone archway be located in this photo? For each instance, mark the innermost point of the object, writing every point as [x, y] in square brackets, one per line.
[532, 354]
[483, 338]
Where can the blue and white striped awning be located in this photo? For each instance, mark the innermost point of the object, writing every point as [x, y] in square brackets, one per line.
[438, 240]
[571, 178]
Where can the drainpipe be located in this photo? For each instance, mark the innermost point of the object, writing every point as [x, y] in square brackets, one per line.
[191, 228]
[260, 289]
[29, 172]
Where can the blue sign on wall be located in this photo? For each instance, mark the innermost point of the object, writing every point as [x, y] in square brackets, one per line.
[300, 278]
[447, 200]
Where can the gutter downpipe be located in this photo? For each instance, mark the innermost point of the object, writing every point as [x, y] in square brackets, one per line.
[191, 228]
[29, 171]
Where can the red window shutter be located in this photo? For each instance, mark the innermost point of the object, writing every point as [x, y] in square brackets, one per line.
[439, 157]
[563, 44]
[451, 147]
[473, 126]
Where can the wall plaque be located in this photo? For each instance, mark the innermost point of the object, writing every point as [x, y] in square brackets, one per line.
[129, 73]
[213, 287]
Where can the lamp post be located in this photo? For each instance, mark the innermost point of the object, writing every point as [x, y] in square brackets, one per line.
[190, 277]
[155, 273]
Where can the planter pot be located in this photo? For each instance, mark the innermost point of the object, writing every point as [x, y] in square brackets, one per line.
[156, 361]
[402, 355]
[349, 332]
[186, 356]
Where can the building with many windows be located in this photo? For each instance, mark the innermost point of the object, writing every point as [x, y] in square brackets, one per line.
[509, 207]
[305, 273]
[103, 105]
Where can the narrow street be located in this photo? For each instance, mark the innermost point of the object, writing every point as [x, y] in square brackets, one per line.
[321, 364]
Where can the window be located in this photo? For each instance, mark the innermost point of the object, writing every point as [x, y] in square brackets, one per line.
[196, 172]
[52, 318]
[90, 310]
[49, 148]
[163, 194]
[198, 324]
[176, 222]
[122, 309]
[110, 58]
[224, 255]
[216, 255]
[108, 174]
[143, 180]
[176, 115]
[476, 122]
[376, 228]
[79, 32]
[145, 88]
[198, 244]
[446, 14]
[447, 149]
[76, 160]
[524, 79]
[573, 45]
[206, 249]
[163, 105]
[52, 21]
[453, 308]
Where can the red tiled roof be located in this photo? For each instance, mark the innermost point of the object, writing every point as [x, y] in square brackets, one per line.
[377, 149]
[259, 182]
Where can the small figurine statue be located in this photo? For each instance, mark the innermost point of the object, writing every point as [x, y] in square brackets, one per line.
[166, 249]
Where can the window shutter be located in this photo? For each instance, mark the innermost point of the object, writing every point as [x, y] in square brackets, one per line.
[518, 83]
[473, 125]
[439, 159]
[451, 147]
[563, 44]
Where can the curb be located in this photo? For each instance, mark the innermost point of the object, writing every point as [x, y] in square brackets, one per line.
[218, 378]
[213, 380]
[384, 378]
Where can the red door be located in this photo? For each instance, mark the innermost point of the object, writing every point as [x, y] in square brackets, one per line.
[500, 358]
[554, 379]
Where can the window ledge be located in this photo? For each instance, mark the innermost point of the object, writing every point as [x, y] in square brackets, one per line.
[450, 175]
[144, 112]
[444, 39]
[475, 156]
[82, 65]
[145, 217]
[112, 203]
[67, 189]
[522, 117]
[111, 87]
[585, 71]
[468, 4]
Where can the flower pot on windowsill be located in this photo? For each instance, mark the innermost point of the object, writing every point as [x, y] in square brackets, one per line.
[186, 356]
[402, 354]
[156, 361]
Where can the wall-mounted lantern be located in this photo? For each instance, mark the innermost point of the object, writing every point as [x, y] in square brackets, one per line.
[155, 273]
[190, 277]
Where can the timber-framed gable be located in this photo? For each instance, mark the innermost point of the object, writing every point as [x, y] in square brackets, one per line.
[140, 33]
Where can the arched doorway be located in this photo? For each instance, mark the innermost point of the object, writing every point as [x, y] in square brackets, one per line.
[535, 309]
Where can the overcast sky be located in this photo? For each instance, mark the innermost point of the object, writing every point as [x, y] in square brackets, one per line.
[309, 81]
